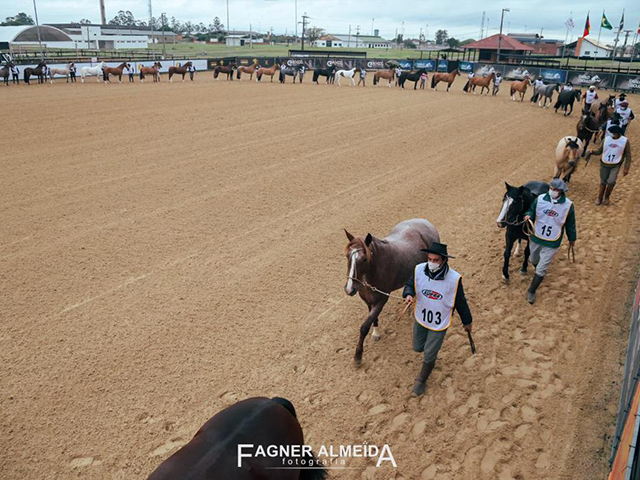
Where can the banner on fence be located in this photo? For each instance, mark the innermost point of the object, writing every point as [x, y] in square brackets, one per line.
[465, 67]
[484, 69]
[553, 75]
[443, 65]
[520, 73]
[586, 79]
[627, 82]
[428, 65]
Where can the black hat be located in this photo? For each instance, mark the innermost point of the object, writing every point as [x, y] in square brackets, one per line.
[615, 129]
[438, 249]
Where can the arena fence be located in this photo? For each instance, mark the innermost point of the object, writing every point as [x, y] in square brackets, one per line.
[625, 455]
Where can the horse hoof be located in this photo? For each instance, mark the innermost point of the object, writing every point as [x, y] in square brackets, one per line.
[357, 361]
[523, 272]
[505, 280]
[375, 338]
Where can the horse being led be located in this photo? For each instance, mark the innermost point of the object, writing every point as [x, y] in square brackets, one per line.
[384, 265]
[565, 100]
[447, 78]
[38, 72]
[587, 126]
[386, 74]
[350, 74]
[153, 71]
[521, 88]
[246, 427]
[292, 72]
[269, 72]
[97, 71]
[53, 71]
[567, 156]
[328, 72]
[228, 69]
[181, 70]
[411, 76]
[545, 92]
[483, 82]
[515, 202]
[5, 72]
[250, 70]
[117, 71]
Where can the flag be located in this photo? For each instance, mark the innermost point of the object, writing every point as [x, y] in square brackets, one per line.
[621, 23]
[587, 27]
[639, 29]
[605, 23]
[569, 24]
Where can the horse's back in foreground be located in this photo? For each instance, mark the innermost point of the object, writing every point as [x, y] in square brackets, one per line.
[260, 422]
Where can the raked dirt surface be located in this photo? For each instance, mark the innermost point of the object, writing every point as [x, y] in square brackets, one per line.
[169, 249]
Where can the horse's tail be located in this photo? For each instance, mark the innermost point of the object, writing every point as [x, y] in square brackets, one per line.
[433, 81]
[141, 75]
[375, 79]
[26, 75]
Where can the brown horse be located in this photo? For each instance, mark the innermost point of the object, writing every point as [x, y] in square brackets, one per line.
[5, 72]
[447, 78]
[38, 72]
[602, 110]
[375, 266]
[269, 72]
[228, 446]
[483, 82]
[250, 70]
[386, 74]
[117, 71]
[228, 69]
[182, 70]
[520, 87]
[154, 71]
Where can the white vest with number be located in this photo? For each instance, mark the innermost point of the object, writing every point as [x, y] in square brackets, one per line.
[591, 96]
[624, 115]
[613, 149]
[550, 218]
[435, 299]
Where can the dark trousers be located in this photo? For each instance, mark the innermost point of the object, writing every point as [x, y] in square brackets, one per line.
[16, 78]
[72, 76]
[191, 76]
[131, 77]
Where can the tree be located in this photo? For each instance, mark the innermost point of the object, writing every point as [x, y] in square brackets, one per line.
[216, 26]
[467, 41]
[409, 44]
[441, 37]
[453, 42]
[313, 33]
[20, 19]
[84, 21]
[124, 18]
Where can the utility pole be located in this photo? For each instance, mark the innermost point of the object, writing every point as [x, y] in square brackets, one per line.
[372, 26]
[484, 14]
[250, 37]
[164, 51]
[349, 39]
[500, 35]
[150, 26]
[103, 13]
[35, 10]
[296, 22]
[357, 34]
[304, 27]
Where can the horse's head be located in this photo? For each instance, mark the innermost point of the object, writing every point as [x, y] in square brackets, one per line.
[573, 149]
[512, 206]
[188, 64]
[577, 94]
[358, 253]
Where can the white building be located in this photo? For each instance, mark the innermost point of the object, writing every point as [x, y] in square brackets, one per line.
[586, 47]
[27, 36]
[351, 41]
[112, 37]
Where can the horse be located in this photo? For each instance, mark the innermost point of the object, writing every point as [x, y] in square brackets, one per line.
[328, 72]
[546, 92]
[227, 446]
[38, 72]
[411, 76]
[270, 72]
[383, 265]
[5, 72]
[97, 71]
[520, 87]
[483, 82]
[566, 99]
[250, 70]
[153, 71]
[114, 71]
[567, 156]
[228, 69]
[448, 78]
[291, 72]
[53, 71]
[350, 74]
[386, 74]
[587, 126]
[603, 109]
[515, 203]
[182, 70]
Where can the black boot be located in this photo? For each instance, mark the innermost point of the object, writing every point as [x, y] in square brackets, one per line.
[535, 283]
[600, 194]
[607, 194]
[419, 386]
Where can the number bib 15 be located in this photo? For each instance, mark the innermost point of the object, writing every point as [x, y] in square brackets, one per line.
[550, 218]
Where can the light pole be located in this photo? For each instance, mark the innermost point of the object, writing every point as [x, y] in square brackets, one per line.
[500, 35]
[35, 10]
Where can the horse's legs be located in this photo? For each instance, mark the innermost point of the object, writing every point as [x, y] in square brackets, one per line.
[507, 255]
[365, 327]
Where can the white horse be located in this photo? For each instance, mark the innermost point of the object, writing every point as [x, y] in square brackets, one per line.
[53, 71]
[97, 71]
[347, 74]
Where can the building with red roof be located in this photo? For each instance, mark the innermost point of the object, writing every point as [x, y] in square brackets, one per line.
[488, 47]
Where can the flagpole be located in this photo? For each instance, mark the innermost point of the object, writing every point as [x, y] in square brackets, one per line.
[633, 50]
[599, 32]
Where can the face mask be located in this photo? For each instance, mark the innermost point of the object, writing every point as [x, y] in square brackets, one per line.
[433, 267]
[554, 194]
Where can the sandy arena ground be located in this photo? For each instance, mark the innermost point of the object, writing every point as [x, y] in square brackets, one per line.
[169, 249]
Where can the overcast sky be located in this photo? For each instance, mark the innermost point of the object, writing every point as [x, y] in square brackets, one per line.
[461, 18]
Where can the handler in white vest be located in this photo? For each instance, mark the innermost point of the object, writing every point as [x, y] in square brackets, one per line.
[552, 214]
[614, 150]
[626, 115]
[589, 97]
[437, 291]
[497, 80]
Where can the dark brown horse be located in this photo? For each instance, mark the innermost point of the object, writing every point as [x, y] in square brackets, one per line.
[228, 69]
[227, 446]
[117, 71]
[269, 72]
[182, 70]
[447, 78]
[250, 70]
[38, 72]
[386, 74]
[587, 126]
[603, 109]
[5, 72]
[375, 265]
[153, 71]
[483, 82]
